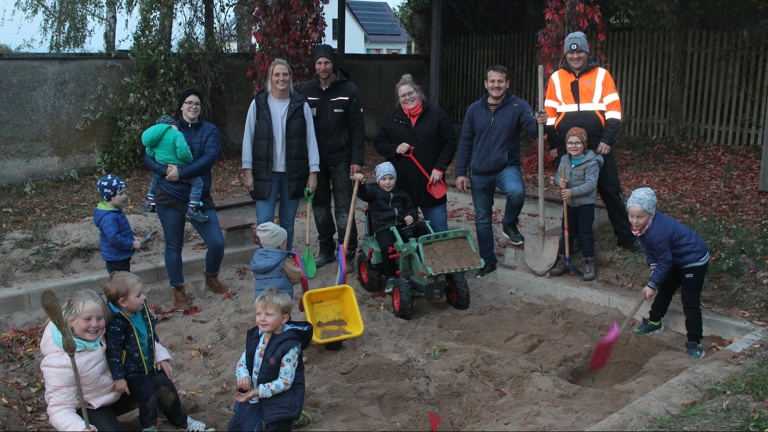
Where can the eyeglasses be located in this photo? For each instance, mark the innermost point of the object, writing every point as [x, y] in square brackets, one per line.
[192, 104]
[574, 144]
[407, 95]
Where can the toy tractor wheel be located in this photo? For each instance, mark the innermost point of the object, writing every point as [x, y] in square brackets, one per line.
[370, 278]
[402, 299]
[457, 291]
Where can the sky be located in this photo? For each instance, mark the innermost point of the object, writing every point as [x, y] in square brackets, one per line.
[15, 31]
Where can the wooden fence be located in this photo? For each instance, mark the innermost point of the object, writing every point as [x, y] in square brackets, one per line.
[715, 90]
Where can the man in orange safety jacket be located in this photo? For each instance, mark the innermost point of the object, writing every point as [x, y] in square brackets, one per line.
[583, 94]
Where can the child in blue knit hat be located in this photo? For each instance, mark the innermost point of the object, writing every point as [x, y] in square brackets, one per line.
[678, 258]
[117, 240]
[167, 146]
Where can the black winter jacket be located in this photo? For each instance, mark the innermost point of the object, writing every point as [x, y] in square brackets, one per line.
[387, 209]
[297, 156]
[433, 139]
[338, 117]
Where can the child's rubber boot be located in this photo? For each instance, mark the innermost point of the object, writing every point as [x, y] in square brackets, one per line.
[194, 214]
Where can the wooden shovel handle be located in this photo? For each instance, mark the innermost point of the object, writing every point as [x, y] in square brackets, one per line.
[350, 217]
[565, 224]
[632, 312]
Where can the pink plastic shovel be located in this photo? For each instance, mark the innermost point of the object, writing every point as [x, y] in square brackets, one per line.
[604, 347]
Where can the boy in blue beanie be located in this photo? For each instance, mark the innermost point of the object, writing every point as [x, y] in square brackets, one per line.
[117, 240]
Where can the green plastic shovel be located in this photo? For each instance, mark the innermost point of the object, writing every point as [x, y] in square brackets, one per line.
[308, 259]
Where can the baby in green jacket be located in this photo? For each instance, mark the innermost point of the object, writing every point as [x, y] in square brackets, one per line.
[167, 145]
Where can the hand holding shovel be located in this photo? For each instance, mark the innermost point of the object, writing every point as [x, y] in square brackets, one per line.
[437, 189]
[52, 308]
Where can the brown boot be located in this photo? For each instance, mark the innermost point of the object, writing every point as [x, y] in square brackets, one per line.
[181, 300]
[214, 284]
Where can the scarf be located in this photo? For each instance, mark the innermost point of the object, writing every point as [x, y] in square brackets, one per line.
[413, 113]
[82, 345]
[638, 233]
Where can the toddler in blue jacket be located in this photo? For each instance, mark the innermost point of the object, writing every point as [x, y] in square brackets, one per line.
[272, 265]
[117, 240]
[678, 258]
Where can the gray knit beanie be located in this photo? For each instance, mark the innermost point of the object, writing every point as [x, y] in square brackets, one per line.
[644, 198]
[576, 41]
[385, 168]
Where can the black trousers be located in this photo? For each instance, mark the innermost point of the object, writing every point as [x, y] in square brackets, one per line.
[609, 187]
[690, 280]
[580, 221]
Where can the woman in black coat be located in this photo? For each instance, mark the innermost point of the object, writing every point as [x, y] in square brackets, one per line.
[425, 129]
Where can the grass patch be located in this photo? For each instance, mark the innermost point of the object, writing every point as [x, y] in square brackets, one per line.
[737, 403]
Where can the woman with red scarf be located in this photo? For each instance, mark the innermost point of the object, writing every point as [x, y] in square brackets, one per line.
[425, 129]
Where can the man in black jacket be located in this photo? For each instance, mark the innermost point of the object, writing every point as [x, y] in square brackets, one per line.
[337, 112]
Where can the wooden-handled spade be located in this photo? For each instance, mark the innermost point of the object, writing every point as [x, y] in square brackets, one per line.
[52, 308]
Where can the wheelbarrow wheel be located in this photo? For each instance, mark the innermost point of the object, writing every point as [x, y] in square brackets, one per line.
[334, 346]
[402, 299]
[370, 278]
[457, 291]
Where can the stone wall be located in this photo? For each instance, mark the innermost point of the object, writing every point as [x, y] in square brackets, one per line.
[58, 110]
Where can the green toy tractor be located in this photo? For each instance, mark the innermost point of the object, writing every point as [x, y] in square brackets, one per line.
[431, 264]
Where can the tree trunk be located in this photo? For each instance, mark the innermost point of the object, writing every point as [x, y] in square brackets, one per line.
[110, 26]
[210, 35]
[675, 119]
[244, 26]
[165, 25]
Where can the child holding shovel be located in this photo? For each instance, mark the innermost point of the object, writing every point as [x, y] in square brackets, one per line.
[388, 206]
[678, 258]
[579, 188]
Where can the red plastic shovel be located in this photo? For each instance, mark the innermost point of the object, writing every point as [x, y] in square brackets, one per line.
[604, 347]
[438, 189]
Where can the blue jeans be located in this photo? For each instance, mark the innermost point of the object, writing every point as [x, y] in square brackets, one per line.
[437, 217]
[173, 228]
[194, 193]
[333, 180]
[510, 181]
[265, 209]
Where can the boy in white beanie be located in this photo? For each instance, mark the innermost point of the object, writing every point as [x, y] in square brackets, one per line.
[388, 207]
[678, 258]
[272, 265]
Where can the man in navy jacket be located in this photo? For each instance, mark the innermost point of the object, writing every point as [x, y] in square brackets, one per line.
[489, 155]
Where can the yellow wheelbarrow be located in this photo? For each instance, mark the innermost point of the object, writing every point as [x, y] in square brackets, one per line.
[334, 314]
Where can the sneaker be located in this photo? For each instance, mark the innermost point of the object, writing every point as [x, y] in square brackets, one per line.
[195, 215]
[512, 234]
[304, 420]
[648, 327]
[694, 349]
[390, 286]
[150, 206]
[486, 270]
[197, 426]
[325, 258]
[150, 429]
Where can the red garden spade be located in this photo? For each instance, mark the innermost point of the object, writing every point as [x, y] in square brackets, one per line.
[438, 423]
[604, 347]
[438, 189]
[341, 276]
